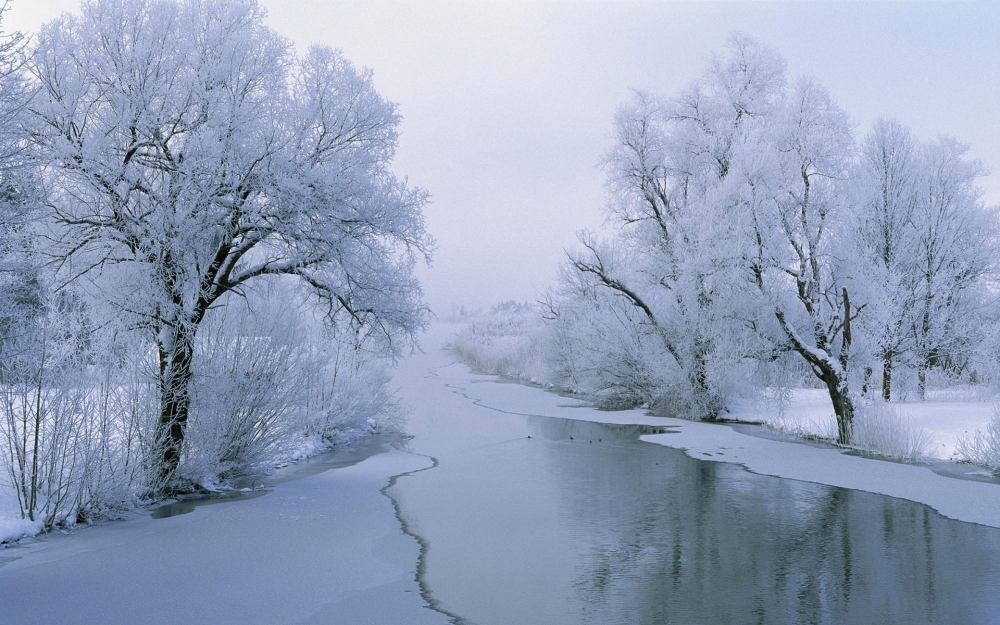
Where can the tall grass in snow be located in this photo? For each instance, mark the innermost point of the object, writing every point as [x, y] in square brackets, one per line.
[884, 429]
[878, 428]
[983, 447]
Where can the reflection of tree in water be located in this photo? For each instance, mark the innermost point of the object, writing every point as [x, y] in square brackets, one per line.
[684, 541]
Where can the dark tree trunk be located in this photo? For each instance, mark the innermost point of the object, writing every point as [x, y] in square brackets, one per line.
[176, 352]
[708, 403]
[827, 369]
[887, 377]
[843, 407]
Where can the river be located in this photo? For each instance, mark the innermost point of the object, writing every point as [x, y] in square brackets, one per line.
[515, 512]
[535, 519]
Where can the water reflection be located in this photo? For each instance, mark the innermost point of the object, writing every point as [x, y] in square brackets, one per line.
[568, 429]
[701, 542]
[582, 523]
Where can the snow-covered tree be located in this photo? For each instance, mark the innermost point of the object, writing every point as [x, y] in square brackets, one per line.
[928, 246]
[793, 173]
[191, 154]
[885, 181]
[730, 202]
[955, 252]
[20, 290]
[664, 171]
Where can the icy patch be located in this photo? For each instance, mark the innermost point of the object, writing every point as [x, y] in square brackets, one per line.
[974, 502]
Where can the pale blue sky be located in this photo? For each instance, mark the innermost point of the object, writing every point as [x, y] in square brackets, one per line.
[507, 106]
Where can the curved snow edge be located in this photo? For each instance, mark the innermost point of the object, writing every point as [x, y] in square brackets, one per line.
[962, 500]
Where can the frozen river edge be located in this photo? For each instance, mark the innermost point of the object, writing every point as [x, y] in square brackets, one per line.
[325, 548]
[959, 499]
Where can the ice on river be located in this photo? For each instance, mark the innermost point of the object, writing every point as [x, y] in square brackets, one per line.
[964, 500]
[322, 549]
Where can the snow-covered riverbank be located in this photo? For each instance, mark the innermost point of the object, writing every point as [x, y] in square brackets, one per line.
[959, 499]
[330, 547]
[321, 549]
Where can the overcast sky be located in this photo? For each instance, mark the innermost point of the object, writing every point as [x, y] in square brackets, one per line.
[507, 106]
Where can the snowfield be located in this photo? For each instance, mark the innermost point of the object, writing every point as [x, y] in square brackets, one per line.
[944, 417]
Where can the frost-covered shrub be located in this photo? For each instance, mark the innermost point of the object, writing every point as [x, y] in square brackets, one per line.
[358, 401]
[884, 429]
[76, 418]
[117, 436]
[42, 396]
[600, 348]
[245, 393]
[507, 340]
[40, 424]
[983, 448]
[269, 383]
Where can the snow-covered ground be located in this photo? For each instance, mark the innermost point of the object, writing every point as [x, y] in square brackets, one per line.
[322, 549]
[945, 416]
[12, 526]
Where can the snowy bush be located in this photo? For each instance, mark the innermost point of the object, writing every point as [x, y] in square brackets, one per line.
[246, 393]
[75, 424]
[359, 400]
[41, 412]
[983, 448]
[884, 429]
[116, 439]
[600, 350]
[269, 383]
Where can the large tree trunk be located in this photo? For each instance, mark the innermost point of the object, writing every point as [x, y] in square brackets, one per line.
[843, 407]
[887, 377]
[831, 370]
[176, 351]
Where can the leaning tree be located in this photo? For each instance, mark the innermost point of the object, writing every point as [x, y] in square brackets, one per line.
[190, 154]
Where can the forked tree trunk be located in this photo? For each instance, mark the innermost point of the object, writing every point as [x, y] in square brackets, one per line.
[831, 371]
